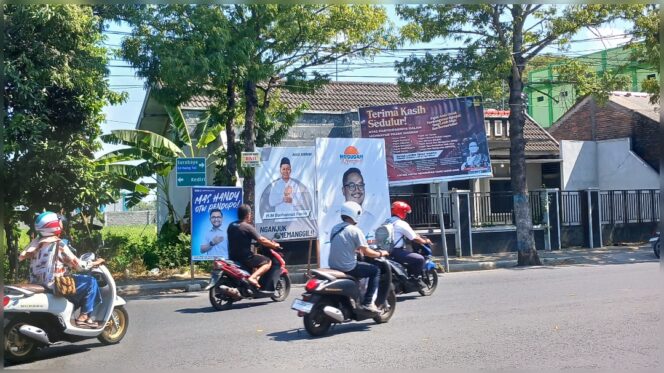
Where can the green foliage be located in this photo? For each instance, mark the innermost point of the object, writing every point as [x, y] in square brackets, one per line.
[646, 28]
[587, 82]
[55, 88]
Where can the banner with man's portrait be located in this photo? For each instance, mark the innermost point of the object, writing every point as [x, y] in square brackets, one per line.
[213, 209]
[350, 169]
[284, 193]
[431, 141]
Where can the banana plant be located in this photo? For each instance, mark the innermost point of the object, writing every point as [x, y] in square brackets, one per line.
[150, 155]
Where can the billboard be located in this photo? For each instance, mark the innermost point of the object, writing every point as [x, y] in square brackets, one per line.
[430, 141]
[350, 169]
[213, 209]
[284, 194]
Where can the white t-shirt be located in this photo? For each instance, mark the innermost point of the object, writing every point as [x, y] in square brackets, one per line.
[282, 188]
[401, 229]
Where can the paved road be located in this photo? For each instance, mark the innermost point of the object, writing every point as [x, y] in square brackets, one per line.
[547, 317]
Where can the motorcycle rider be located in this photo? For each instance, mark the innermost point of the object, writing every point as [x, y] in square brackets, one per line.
[346, 239]
[413, 262]
[51, 257]
[240, 233]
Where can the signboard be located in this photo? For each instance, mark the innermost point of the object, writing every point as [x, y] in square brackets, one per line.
[212, 210]
[430, 141]
[285, 185]
[350, 169]
[250, 159]
[190, 172]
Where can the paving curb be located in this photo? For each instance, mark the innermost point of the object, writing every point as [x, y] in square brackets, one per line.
[480, 266]
[169, 286]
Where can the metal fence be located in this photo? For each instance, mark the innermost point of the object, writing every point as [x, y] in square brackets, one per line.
[497, 208]
[425, 209]
[629, 206]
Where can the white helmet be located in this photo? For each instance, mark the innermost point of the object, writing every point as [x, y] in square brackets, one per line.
[351, 209]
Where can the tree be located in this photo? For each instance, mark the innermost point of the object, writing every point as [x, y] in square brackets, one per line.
[500, 39]
[646, 28]
[156, 154]
[54, 90]
[240, 55]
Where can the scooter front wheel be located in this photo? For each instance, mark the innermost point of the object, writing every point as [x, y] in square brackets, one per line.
[282, 288]
[219, 301]
[116, 327]
[18, 348]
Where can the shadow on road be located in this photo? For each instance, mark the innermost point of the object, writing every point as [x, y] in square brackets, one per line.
[301, 333]
[235, 306]
[157, 296]
[58, 351]
[401, 298]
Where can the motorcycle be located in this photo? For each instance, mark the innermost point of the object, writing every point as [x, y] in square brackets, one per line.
[228, 282]
[654, 242]
[403, 283]
[332, 296]
[35, 318]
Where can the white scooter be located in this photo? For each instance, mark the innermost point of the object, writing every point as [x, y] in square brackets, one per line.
[34, 317]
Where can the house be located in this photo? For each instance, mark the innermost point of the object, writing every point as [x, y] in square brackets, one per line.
[548, 100]
[611, 147]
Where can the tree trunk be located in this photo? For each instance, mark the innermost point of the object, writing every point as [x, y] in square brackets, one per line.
[12, 252]
[527, 254]
[229, 172]
[248, 136]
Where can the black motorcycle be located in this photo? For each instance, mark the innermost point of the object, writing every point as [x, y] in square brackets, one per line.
[655, 244]
[332, 296]
[403, 283]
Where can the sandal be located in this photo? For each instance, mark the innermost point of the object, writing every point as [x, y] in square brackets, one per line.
[87, 324]
[254, 282]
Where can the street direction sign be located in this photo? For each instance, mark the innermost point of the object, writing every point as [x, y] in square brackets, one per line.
[190, 172]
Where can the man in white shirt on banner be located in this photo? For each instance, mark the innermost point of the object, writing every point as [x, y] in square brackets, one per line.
[214, 243]
[285, 193]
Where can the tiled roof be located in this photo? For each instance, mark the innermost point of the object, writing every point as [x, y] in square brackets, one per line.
[340, 97]
[638, 102]
[538, 140]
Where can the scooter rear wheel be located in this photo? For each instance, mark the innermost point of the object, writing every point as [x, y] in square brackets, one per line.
[656, 249]
[316, 322]
[116, 327]
[386, 315]
[220, 302]
[431, 280]
[18, 348]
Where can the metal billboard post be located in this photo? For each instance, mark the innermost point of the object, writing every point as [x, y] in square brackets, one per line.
[442, 226]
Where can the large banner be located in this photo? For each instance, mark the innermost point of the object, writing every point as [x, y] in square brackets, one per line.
[350, 170]
[213, 209]
[431, 141]
[285, 185]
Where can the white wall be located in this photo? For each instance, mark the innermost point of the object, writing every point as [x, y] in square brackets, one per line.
[607, 165]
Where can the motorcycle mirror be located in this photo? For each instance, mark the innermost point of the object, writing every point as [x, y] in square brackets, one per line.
[88, 257]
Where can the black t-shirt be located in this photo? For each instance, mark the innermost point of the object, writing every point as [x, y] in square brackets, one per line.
[240, 235]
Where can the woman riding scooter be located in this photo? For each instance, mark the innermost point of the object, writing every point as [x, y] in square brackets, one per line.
[51, 257]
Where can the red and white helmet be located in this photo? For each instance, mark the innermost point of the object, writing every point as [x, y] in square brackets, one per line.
[48, 224]
[400, 209]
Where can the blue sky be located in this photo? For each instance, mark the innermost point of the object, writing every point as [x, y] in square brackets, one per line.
[379, 70]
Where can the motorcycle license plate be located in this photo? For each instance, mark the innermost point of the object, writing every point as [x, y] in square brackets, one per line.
[302, 306]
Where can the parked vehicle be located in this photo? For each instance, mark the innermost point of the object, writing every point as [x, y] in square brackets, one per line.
[655, 244]
[332, 296]
[35, 318]
[228, 282]
[403, 283]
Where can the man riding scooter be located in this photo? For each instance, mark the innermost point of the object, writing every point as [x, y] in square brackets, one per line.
[413, 262]
[346, 240]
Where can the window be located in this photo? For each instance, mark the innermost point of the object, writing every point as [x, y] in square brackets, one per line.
[487, 125]
[563, 94]
[540, 99]
[507, 127]
[498, 128]
[652, 76]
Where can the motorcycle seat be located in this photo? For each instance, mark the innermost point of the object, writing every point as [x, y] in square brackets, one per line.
[35, 288]
[328, 272]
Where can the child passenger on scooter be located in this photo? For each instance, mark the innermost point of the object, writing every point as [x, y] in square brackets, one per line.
[51, 257]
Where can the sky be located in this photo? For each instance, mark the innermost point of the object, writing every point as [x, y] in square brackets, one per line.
[381, 69]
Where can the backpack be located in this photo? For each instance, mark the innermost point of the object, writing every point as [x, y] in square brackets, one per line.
[384, 235]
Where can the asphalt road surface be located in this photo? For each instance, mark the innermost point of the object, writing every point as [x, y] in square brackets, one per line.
[566, 317]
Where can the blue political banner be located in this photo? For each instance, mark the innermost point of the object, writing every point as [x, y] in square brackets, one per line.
[212, 210]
